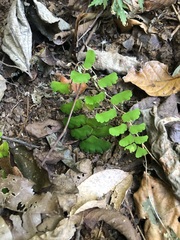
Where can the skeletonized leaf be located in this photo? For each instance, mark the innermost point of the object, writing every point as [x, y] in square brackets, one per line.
[17, 41]
[154, 79]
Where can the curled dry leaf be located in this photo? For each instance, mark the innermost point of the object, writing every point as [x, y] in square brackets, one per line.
[154, 79]
[17, 41]
[157, 205]
[114, 219]
[161, 146]
[42, 129]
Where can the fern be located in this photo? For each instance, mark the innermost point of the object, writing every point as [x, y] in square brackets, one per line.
[91, 131]
[4, 148]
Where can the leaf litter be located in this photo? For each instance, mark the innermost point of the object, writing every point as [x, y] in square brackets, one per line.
[88, 195]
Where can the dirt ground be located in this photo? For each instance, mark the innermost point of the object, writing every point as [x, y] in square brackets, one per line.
[29, 100]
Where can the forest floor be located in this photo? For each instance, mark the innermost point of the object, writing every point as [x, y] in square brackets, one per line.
[85, 195]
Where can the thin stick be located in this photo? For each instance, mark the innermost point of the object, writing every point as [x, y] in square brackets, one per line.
[16, 140]
[65, 128]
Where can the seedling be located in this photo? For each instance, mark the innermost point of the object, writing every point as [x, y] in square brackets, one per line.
[93, 132]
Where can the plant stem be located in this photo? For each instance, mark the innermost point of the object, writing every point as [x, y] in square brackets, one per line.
[65, 128]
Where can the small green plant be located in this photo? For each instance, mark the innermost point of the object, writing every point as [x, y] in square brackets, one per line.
[4, 148]
[92, 132]
[118, 7]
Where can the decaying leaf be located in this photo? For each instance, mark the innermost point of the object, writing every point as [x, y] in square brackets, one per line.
[154, 79]
[157, 205]
[42, 129]
[2, 86]
[46, 22]
[17, 41]
[111, 61]
[97, 185]
[161, 146]
[5, 232]
[114, 219]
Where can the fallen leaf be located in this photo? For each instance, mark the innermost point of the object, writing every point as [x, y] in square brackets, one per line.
[98, 185]
[114, 219]
[157, 205]
[111, 61]
[17, 41]
[2, 86]
[42, 129]
[162, 148]
[154, 79]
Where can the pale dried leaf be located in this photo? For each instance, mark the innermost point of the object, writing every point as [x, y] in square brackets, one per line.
[120, 192]
[5, 232]
[65, 230]
[111, 61]
[2, 86]
[17, 41]
[99, 184]
[158, 206]
[154, 79]
[114, 219]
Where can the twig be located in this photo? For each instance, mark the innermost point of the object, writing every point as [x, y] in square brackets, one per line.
[65, 128]
[16, 140]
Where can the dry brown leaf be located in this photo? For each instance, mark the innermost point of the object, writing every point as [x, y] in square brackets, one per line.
[153, 4]
[154, 79]
[114, 219]
[157, 204]
[42, 129]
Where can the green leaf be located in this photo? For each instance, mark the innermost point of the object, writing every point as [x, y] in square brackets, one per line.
[63, 88]
[90, 59]
[141, 2]
[81, 133]
[66, 107]
[117, 9]
[140, 139]
[4, 149]
[99, 2]
[94, 145]
[78, 77]
[106, 116]
[101, 132]
[108, 81]
[116, 131]
[121, 97]
[134, 129]
[1, 134]
[94, 123]
[126, 140]
[132, 147]
[92, 100]
[141, 152]
[76, 122]
[131, 115]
